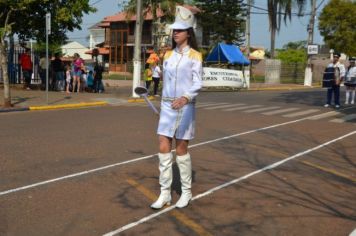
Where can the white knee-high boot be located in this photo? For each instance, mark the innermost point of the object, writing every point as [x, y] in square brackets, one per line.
[347, 96]
[185, 169]
[165, 180]
[352, 96]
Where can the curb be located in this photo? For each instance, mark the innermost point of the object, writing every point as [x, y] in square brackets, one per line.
[14, 109]
[133, 100]
[282, 88]
[67, 106]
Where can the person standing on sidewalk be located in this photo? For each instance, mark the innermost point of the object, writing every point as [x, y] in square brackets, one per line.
[78, 65]
[350, 81]
[98, 77]
[58, 69]
[43, 68]
[339, 73]
[26, 65]
[148, 77]
[182, 80]
[156, 76]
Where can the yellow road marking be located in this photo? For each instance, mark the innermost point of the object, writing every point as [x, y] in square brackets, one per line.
[316, 166]
[64, 106]
[178, 215]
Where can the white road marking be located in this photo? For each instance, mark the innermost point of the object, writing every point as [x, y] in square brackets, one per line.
[227, 184]
[301, 113]
[280, 111]
[242, 108]
[325, 115]
[224, 106]
[260, 109]
[142, 158]
[137, 159]
[344, 119]
[210, 104]
[353, 233]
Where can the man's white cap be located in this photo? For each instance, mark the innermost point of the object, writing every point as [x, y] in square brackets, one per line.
[184, 19]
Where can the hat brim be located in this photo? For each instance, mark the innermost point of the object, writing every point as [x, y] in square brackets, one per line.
[179, 25]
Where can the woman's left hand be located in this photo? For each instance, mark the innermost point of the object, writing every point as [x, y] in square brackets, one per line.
[179, 103]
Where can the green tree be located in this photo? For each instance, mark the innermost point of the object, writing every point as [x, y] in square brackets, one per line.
[278, 9]
[223, 20]
[26, 19]
[292, 55]
[337, 26]
[302, 44]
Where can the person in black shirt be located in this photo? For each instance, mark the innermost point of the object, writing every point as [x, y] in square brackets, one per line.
[98, 76]
[58, 76]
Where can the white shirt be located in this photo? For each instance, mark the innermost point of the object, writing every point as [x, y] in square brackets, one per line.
[351, 73]
[340, 66]
[156, 72]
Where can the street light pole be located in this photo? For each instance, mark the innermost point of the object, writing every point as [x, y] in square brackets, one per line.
[308, 70]
[137, 49]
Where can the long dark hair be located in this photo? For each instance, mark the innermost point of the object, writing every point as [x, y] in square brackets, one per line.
[192, 41]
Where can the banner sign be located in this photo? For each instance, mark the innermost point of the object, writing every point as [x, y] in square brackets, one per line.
[217, 77]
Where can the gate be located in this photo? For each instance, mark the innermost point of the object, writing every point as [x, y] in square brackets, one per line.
[14, 68]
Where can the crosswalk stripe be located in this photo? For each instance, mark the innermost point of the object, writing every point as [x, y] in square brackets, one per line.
[345, 118]
[280, 111]
[224, 106]
[325, 115]
[210, 104]
[242, 108]
[301, 113]
[261, 109]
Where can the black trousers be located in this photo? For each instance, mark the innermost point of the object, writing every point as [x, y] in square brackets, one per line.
[27, 77]
[335, 89]
[155, 84]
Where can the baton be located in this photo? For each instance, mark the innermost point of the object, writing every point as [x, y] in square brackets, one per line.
[142, 91]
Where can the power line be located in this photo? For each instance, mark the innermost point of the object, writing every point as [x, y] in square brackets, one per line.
[95, 2]
[283, 13]
[320, 4]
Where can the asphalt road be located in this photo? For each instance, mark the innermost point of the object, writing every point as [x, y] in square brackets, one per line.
[264, 163]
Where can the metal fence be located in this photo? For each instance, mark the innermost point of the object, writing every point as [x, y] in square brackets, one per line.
[292, 73]
[14, 68]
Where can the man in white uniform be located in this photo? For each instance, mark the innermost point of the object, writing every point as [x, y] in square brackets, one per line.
[339, 76]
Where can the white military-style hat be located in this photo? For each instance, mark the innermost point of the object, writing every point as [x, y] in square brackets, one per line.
[184, 19]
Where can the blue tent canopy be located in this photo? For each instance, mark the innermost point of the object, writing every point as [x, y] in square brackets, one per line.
[227, 53]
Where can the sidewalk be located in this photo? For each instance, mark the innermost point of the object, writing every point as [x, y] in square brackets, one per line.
[117, 92]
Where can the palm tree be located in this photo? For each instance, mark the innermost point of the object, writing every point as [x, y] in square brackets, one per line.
[278, 9]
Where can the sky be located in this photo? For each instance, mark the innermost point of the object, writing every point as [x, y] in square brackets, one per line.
[294, 30]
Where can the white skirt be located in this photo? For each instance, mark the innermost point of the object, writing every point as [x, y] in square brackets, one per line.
[177, 123]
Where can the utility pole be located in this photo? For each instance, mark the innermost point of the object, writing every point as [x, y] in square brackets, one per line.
[248, 25]
[247, 71]
[137, 49]
[48, 31]
[308, 70]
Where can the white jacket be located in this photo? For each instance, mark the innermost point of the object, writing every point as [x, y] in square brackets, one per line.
[182, 76]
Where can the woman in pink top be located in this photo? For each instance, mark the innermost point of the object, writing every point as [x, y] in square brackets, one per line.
[78, 64]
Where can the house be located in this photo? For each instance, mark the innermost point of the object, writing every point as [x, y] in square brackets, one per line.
[119, 37]
[96, 40]
[70, 48]
[96, 35]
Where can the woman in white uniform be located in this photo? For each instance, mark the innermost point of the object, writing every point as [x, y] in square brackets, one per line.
[182, 79]
[350, 81]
